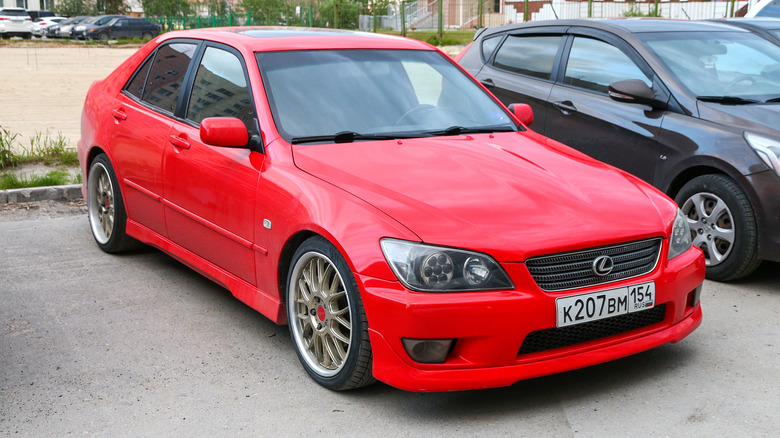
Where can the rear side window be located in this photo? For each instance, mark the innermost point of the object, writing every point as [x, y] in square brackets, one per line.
[165, 79]
[220, 89]
[489, 46]
[528, 55]
[594, 64]
[136, 85]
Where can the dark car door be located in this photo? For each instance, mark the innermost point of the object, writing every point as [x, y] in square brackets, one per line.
[583, 115]
[521, 70]
[120, 28]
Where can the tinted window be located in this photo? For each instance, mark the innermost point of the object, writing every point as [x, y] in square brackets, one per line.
[528, 55]
[489, 46]
[164, 83]
[594, 64]
[220, 89]
[12, 13]
[136, 85]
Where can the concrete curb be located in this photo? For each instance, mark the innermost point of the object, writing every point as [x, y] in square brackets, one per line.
[32, 194]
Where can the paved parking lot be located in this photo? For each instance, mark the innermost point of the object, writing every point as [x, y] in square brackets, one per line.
[139, 345]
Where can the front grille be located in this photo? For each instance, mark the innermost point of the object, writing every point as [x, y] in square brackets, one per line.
[575, 269]
[550, 339]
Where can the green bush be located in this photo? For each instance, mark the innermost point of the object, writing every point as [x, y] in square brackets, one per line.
[10, 180]
[7, 156]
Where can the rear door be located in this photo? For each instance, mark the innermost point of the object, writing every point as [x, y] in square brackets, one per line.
[143, 114]
[120, 28]
[522, 68]
[583, 115]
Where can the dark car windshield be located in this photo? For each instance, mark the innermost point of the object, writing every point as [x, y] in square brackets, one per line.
[316, 94]
[720, 65]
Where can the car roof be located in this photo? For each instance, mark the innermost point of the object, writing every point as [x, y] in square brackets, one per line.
[626, 25]
[270, 38]
[768, 23]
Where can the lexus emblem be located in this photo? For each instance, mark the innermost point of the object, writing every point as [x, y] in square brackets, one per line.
[603, 265]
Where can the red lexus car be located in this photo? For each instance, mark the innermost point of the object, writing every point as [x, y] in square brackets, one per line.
[369, 193]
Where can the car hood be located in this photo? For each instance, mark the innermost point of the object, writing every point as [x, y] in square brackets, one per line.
[760, 118]
[508, 194]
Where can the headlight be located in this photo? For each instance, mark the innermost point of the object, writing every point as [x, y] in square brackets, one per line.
[680, 241]
[79, 27]
[429, 268]
[767, 149]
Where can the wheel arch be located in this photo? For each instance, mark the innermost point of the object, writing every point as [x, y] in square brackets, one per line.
[285, 258]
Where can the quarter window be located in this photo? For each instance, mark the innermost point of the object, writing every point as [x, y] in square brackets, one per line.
[165, 80]
[489, 46]
[594, 64]
[528, 55]
[220, 89]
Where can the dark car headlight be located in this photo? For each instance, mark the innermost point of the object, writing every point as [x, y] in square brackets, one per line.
[429, 268]
[680, 240]
[767, 149]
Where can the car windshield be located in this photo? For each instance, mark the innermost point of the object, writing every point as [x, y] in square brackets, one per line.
[385, 93]
[14, 13]
[740, 66]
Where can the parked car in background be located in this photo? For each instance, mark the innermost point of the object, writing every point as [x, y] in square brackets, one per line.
[768, 28]
[15, 22]
[42, 25]
[87, 26]
[122, 27]
[764, 8]
[63, 29]
[692, 107]
[366, 191]
[35, 15]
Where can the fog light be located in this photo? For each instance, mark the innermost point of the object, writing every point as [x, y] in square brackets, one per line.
[428, 350]
[693, 297]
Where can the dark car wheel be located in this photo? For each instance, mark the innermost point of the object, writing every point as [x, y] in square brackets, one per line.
[105, 208]
[723, 225]
[146, 35]
[103, 36]
[326, 317]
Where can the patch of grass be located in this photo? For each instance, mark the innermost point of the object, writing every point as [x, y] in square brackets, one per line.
[7, 156]
[42, 148]
[10, 180]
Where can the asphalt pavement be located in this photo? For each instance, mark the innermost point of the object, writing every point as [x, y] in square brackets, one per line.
[93, 344]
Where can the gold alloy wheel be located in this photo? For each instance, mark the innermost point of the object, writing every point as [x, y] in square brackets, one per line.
[101, 203]
[322, 325]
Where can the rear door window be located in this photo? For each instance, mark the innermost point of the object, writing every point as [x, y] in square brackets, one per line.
[531, 55]
[167, 75]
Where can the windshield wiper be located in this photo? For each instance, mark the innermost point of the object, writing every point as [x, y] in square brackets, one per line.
[348, 137]
[728, 100]
[456, 130]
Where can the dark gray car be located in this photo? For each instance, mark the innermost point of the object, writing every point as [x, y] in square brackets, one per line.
[122, 27]
[691, 107]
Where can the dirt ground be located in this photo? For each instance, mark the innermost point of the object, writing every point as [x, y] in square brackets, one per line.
[43, 88]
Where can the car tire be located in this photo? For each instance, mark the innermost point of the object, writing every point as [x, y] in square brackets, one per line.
[103, 36]
[723, 225]
[106, 209]
[146, 35]
[328, 324]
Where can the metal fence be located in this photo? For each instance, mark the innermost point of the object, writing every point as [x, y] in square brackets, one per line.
[445, 15]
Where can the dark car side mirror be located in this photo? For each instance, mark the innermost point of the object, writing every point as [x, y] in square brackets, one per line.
[224, 131]
[523, 112]
[631, 91]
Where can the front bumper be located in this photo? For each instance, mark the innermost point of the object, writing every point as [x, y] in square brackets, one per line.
[490, 328]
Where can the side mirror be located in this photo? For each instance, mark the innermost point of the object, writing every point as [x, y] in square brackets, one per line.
[224, 131]
[631, 91]
[523, 112]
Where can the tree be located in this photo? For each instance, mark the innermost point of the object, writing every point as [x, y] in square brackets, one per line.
[110, 7]
[265, 11]
[166, 8]
[72, 8]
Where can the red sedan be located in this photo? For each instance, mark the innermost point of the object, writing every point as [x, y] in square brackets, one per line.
[367, 191]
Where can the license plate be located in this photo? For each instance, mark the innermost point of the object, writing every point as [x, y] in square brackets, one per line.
[604, 304]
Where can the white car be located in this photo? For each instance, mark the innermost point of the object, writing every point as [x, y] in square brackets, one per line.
[15, 22]
[764, 8]
[39, 27]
